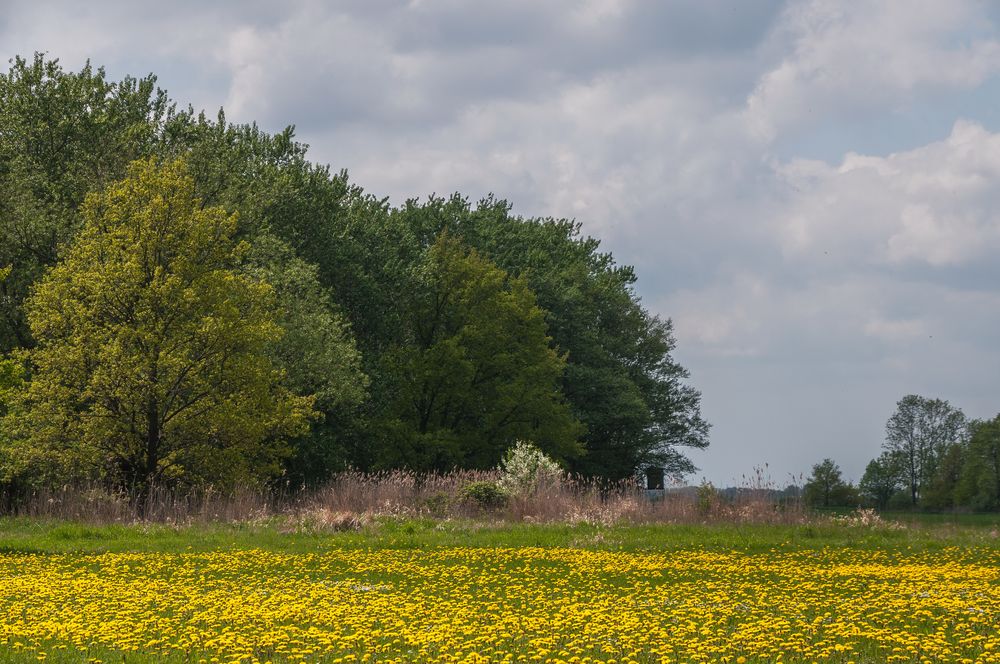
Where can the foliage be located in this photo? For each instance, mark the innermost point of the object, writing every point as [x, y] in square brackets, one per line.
[919, 432]
[153, 361]
[941, 492]
[525, 468]
[474, 370]
[620, 380]
[317, 353]
[881, 479]
[485, 494]
[707, 497]
[11, 382]
[826, 487]
[979, 486]
[349, 255]
[64, 135]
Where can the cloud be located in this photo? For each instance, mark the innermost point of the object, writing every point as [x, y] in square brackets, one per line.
[934, 206]
[808, 295]
[867, 56]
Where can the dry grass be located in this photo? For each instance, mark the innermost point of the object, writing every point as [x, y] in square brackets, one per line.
[352, 499]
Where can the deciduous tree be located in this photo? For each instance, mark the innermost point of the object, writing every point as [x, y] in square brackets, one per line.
[474, 371]
[919, 432]
[154, 348]
[881, 479]
[979, 486]
[826, 487]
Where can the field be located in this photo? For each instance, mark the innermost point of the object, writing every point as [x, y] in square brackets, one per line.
[425, 590]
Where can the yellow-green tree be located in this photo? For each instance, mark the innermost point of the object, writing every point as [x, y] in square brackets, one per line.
[154, 348]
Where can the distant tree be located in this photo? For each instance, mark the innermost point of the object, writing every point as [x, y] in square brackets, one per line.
[979, 487]
[919, 432]
[826, 487]
[882, 479]
[941, 492]
[154, 349]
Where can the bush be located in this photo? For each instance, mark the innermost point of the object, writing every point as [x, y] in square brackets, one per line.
[708, 497]
[485, 495]
[525, 468]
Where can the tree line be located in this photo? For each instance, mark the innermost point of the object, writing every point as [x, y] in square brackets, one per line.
[933, 458]
[186, 301]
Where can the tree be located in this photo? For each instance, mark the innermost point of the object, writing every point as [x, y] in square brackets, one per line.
[474, 371]
[621, 380]
[979, 487]
[826, 487]
[881, 479]
[69, 133]
[64, 135]
[941, 492]
[153, 358]
[318, 355]
[919, 432]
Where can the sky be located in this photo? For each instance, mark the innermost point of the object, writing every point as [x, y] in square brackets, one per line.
[809, 190]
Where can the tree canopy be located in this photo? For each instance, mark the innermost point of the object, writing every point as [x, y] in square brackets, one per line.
[826, 486]
[520, 327]
[919, 432]
[153, 360]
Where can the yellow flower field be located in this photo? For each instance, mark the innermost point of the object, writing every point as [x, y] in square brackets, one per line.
[524, 604]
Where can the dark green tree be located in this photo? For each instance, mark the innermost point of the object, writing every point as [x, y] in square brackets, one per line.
[621, 380]
[474, 370]
[919, 432]
[979, 487]
[941, 492]
[318, 355]
[881, 480]
[826, 487]
[63, 135]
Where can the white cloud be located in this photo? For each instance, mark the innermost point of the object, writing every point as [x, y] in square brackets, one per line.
[937, 205]
[868, 55]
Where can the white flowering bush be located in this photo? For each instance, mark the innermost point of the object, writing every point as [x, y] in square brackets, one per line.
[525, 468]
[867, 518]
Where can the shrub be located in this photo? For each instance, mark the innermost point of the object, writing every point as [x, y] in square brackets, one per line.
[708, 497]
[485, 494]
[525, 468]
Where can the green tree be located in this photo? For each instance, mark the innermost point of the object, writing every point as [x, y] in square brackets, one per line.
[64, 134]
[621, 380]
[475, 370]
[919, 432]
[826, 487]
[881, 479]
[941, 492]
[154, 349]
[979, 486]
[318, 355]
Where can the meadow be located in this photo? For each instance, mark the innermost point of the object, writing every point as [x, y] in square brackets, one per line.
[410, 589]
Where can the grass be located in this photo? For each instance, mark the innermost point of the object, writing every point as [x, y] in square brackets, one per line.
[22, 535]
[465, 590]
[421, 589]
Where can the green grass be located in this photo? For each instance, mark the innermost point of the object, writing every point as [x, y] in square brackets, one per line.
[34, 536]
[774, 556]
